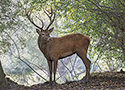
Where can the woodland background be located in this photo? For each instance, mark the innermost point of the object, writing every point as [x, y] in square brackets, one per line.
[102, 20]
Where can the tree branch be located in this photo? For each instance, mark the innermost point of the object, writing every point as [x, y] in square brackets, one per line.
[36, 66]
[102, 11]
[68, 70]
[31, 68]
[122, 3]
[21, 59]
[115, 24]
[105, 6]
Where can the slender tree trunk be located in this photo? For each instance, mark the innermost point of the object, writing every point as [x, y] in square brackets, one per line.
[123, 49]
[3, 82]
[124, 56]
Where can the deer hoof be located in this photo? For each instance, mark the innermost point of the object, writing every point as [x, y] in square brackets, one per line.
[50, 82]
[54, 83]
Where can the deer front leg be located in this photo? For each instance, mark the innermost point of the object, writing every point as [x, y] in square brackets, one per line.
[50, 70]
[55, 69]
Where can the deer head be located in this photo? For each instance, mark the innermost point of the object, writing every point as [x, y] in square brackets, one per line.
[44, 34]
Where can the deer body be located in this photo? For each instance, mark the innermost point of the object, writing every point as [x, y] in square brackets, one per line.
[55, 48]
[63, 46]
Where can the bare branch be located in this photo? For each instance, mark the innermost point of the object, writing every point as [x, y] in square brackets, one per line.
[105, 6]
[36, 66]
[14, 44]
[32, 68]
[20, 57]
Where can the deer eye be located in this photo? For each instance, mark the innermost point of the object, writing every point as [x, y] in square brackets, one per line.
[42, 33]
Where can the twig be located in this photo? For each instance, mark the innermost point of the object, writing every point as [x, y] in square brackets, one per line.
[74, 65]
[105, 6]
[61, 75]
[31, 68]
[68, 70]
[35, 65]
[14, 44]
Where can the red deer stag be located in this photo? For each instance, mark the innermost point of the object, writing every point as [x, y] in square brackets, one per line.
[55, 48]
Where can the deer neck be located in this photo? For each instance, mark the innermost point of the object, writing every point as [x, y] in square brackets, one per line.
[43, 44]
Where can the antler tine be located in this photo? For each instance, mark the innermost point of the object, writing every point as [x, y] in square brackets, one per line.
[51, 11]
[28, 14]
[41, 21]
[47, 13]
[50, 17]
[51, 21]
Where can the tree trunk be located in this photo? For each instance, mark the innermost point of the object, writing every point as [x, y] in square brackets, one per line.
[3, 82]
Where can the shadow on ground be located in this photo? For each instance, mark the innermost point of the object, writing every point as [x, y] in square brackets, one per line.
[105, 80]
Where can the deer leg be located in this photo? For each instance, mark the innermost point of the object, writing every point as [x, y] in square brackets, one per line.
[89, 65]
[55, 69]
[50, 69]
[86, 61]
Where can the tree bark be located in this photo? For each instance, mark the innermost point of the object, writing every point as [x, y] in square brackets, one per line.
[3, 82]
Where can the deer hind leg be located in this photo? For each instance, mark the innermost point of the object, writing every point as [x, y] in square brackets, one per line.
[86, 61]
[50, 69]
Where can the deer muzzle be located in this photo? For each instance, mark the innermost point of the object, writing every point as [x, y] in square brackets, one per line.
[49, 39]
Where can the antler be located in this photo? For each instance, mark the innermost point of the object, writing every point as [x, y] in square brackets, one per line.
[28, 14]
[50, 17]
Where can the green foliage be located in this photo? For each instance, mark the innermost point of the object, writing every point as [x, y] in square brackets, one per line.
[103, 21]
[16, 39]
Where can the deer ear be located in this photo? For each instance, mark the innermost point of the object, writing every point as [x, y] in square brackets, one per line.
[50, 30]
[38, 31]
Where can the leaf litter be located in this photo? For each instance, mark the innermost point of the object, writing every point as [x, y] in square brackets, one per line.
[101, 81]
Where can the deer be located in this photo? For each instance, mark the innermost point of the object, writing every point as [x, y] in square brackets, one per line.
[55, 48]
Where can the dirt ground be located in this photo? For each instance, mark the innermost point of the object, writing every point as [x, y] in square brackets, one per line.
[98, 81]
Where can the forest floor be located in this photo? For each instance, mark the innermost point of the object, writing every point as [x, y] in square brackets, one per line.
[103, 81]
